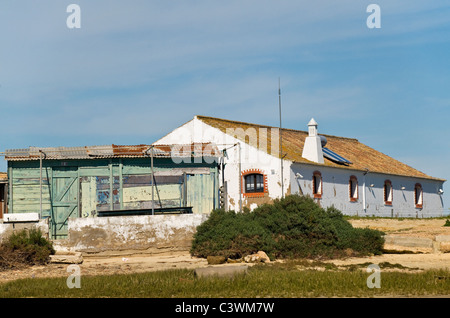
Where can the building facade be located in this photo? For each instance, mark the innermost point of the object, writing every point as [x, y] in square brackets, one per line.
[80, 182]
[335, 171]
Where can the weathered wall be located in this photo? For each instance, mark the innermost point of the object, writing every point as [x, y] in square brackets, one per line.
[82, 188]
[251, 156]
[150, 234]
[336, 192]
[6, 229]
[335, 181]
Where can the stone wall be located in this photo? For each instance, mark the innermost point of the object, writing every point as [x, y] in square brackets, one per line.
[148, 234]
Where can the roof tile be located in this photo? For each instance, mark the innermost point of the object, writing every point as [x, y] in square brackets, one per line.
[362, 157]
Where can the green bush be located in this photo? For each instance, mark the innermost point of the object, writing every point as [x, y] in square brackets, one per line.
[26, 247]
[294, 226]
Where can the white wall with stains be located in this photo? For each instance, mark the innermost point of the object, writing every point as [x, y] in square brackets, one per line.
[250, 157]
[370, 196]
[335, 181]
[149, 233]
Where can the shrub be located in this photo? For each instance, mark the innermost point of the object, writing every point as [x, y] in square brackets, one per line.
[25, 247]
[294, 226]
[228, 234]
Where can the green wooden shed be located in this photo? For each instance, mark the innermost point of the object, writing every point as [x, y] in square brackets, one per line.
[74, 182]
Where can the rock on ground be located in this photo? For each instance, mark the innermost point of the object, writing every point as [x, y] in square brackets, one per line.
[259, 257]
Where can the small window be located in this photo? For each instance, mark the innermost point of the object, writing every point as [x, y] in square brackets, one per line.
[353, 189]
[254, 183]
[418, 196]
[388, 192]
[317, 184]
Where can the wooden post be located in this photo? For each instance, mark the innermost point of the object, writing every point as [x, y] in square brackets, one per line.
[153, 182]
[40, 183]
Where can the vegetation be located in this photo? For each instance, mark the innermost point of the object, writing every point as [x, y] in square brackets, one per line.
[447, 222]
[25, 247]
[267, 280]
[291, 227]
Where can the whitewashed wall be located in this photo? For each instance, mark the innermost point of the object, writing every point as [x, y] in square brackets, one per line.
[150, 233]
[335, 181]
[196, 131]
[336, 192]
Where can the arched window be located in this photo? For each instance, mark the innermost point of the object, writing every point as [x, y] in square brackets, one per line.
[353, 189]
[317, 184]
[388, 192]
[254, 183]
[418, 196]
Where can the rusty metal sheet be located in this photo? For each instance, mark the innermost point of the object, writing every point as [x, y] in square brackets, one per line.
[112, 151]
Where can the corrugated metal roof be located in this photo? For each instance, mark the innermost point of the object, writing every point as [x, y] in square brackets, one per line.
[113, 151]
[3, 176]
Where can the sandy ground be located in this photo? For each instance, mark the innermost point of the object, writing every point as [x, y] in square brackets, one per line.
[406, 227]
[122, 264]
[109, 265]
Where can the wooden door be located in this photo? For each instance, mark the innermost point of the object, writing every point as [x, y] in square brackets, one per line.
[65, 186]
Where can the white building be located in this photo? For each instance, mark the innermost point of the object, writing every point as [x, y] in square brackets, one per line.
[343, 172]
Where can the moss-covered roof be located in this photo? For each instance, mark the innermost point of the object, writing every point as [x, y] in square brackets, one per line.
[362, 157]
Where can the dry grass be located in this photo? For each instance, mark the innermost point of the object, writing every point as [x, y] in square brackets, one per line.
[270, 280]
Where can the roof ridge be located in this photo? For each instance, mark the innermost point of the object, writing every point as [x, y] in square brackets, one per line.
[267, 126]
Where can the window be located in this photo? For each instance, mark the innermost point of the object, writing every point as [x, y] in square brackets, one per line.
[353, 189]
[317, 184]
[418, 196]
[388, 192]
[254, 183]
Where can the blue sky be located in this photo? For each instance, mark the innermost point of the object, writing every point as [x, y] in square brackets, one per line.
[135, 70]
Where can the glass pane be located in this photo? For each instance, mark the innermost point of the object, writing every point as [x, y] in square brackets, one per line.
[317, 181]
[388, 192]
[354, 189]
[250, 183]
[259, 183]
[418, 195]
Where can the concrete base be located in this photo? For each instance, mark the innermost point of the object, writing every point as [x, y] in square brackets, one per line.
[142, 233]
[221, 271]
[440, 244]
[73, 258]
[409, 241]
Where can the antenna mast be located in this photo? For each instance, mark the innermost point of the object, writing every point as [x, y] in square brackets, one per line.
[281, 140]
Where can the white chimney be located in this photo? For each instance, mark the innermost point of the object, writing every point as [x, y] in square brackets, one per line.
[312, 150]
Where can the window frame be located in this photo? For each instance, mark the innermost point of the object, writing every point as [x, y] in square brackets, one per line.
[387, 196]
[317, 191]
[257, 185]
[353, 181]
[254, 193]
[418, 200]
